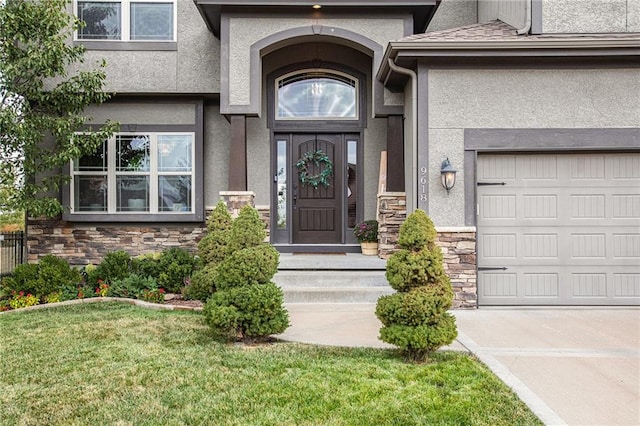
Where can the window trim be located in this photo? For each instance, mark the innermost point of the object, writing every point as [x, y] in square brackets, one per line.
[197, 205]
[125, 26]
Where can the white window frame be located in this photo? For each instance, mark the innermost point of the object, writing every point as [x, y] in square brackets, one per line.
[153, 174]
[125, 24]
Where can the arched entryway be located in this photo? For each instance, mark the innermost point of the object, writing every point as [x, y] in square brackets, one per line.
[317, 113]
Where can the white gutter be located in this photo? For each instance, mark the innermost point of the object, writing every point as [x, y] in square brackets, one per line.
[527, 12]
[414, 130]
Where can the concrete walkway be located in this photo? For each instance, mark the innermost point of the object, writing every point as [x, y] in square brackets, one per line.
[570, 366]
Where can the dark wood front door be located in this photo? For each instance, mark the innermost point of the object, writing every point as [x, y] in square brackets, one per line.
[318, 208]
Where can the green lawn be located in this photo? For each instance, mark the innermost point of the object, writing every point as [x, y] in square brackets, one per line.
[119, 364]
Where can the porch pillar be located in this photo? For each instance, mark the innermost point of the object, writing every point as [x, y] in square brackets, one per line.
[238, 154]
[395, 154]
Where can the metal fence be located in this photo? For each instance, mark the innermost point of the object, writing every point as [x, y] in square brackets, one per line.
[12, 247]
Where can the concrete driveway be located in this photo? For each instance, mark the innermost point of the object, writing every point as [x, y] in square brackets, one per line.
[570, 366]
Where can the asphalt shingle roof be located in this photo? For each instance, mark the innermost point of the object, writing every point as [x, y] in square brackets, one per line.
[500, 31]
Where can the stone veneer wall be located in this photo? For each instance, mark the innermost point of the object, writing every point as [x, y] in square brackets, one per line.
[459, 252]
[458, 247]
[84, 243]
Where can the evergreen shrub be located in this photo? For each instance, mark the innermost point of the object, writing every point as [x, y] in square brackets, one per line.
[116, 265]
[175, 265]
[253, 265]
[201, 285]
[213, 247]
[246, 304]
[415, 319]
[132, 286]
[48, 277]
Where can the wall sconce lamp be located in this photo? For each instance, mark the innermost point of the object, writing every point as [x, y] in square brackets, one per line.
[447, 175]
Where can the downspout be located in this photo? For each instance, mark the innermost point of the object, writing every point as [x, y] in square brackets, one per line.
[414, 130]
[527, 24]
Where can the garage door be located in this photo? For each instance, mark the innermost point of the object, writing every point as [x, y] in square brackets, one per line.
[559, 229]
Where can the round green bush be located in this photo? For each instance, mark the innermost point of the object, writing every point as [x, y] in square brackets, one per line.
[201, 285]
[423, 305]
[247, 230]
[410, 269]
[116, 265]
[255, 311]
[253, 265]
[176, 266]
[147, 265]
[415, 342]
[415, 318]
[219, 219]
[417, 232]
[132, 286]
[51, 275]
[213, 247]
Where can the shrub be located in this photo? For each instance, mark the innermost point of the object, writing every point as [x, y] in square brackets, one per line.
[407, 269]
[147, 265]
[213, 247]
[247, 312]
[246, 304]
[415, 319]
[24, 278]
[132, 286]
[51, 275]
[201, 285]
[253, 265]
[247, 230]
[175, 266]
[116, 265]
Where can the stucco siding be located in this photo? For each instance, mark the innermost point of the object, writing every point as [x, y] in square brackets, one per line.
[446, 209]
[460, 99]
[192, 68]
[579, 16]
[143, 113]
[258, 159]
[216, 155]
[453, 14]
[244, 32]
[633, 16]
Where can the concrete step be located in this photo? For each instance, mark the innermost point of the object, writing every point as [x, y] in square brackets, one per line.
[349, 278]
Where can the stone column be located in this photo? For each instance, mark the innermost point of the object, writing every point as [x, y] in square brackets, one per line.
[392, 212]
[458, 246]
[236, 200]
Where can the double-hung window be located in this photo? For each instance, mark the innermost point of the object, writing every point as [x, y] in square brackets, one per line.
[136, 173]
[127, 20]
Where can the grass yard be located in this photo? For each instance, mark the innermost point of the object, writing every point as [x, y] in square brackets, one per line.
[112, 363]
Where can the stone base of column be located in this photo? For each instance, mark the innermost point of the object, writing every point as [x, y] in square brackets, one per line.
[236, 200]
[392, 212]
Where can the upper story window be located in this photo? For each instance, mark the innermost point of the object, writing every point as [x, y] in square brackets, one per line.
[316, 95]
[136, 173]
[127, 20]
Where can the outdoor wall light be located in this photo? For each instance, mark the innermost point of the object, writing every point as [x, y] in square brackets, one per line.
[447, 175]
[317, 6]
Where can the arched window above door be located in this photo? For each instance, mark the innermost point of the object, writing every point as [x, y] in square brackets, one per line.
[316, 94]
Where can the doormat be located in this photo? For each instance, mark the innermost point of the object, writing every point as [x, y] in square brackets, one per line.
[319, 254]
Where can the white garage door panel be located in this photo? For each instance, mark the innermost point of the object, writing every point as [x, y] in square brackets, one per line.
[563, 229]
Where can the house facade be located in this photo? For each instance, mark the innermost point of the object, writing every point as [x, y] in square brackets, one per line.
[289, 105]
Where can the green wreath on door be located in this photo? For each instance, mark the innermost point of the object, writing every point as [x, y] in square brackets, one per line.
[318, 158]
